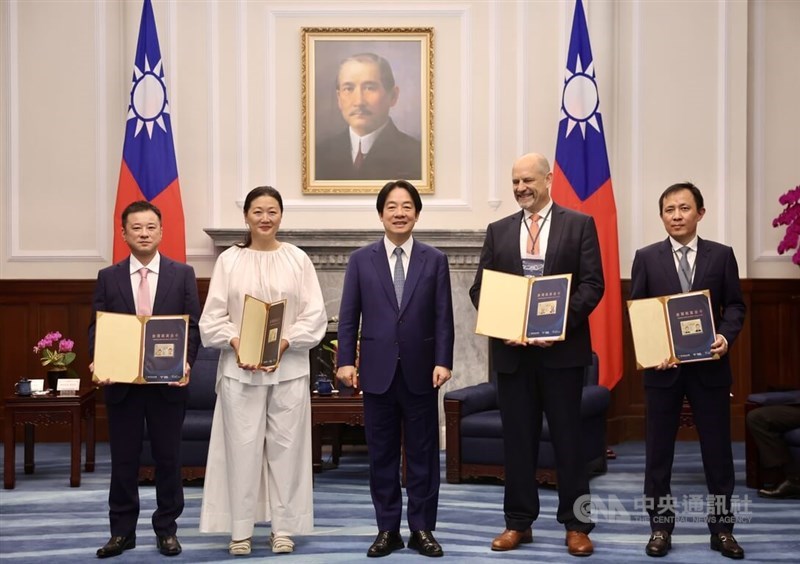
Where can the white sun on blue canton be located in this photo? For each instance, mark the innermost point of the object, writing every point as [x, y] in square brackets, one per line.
[148, 98]
[580, 100]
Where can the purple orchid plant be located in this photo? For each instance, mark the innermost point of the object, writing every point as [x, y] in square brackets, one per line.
[790, 217]
[56, 351]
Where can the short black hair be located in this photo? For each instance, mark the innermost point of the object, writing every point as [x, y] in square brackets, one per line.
[257, 192]
[139, 206]
[405, 185]
[698, 196]
[262, 191]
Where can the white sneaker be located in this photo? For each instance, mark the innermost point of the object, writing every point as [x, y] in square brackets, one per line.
[281, 544]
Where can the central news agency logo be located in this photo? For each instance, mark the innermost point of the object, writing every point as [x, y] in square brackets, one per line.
[695, 508]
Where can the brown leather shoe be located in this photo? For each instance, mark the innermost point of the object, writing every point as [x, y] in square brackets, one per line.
[578, 544]
[510, 539]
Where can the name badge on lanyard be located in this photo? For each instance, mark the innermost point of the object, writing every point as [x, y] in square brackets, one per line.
[533, 266]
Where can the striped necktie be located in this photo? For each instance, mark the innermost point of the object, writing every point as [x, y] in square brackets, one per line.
[684, 271]
[399, 275]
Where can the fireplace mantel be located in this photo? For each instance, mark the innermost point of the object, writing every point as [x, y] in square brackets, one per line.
[329, 249]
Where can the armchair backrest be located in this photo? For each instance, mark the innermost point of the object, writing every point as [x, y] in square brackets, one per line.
[203, 379]
[591, 375]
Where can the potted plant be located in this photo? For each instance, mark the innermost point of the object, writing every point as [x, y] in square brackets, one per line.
[56, 354]
[790, 217]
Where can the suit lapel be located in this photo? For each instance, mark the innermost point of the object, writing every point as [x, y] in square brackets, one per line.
[700, 264]
[667, 260]
[416, 265]
[554, 238]
[381, 264]
[166, 276]
[122, 275]
[508, 243]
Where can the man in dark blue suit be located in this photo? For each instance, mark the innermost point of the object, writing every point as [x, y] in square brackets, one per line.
[537, 377]
[406, 354]
[146, 283]
[681, 263]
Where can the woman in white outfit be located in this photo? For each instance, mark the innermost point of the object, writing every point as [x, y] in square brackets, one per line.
[259, 459]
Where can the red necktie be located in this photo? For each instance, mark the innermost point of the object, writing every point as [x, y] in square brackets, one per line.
[359, 158]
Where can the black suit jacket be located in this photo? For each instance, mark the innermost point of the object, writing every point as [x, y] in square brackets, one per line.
[654, 274]
[176, 294]
[572, 247]
[394, 155]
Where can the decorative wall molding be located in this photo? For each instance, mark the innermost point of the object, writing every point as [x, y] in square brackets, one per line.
[14, 212]
[330, 249]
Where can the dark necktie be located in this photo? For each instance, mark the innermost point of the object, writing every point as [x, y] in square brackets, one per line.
[399, 275]
[685, 273]
[359, 158]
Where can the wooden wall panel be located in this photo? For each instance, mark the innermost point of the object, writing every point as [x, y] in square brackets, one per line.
[765, 357]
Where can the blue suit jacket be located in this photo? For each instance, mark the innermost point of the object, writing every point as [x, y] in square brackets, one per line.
[419, 334]
[654, 274]
[176, 294]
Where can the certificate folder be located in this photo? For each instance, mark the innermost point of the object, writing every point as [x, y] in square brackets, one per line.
[260, 336]
[516, 308]
[678, 327]
[140, 349]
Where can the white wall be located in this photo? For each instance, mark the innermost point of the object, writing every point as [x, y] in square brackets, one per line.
[703, 90]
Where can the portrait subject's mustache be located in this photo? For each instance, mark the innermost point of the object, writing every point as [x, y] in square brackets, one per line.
[360, 112]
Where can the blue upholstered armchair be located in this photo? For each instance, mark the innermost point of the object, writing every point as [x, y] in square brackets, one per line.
[196, 424]
[475, 433]
[758, 477]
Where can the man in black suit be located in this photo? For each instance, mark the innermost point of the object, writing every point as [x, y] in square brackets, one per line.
[536, 377]
[681, 263]
[145, 283]
[372, 148]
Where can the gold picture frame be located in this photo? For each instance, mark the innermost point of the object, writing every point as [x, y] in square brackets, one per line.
[402, 111]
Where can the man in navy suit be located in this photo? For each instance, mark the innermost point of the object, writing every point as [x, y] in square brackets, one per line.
[145, 282]
[405, 356]
[534, 376]
[681, 263]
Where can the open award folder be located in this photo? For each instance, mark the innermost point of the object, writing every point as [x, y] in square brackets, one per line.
[678, 327]
[260, 336]
[140, 349]
[518, 308]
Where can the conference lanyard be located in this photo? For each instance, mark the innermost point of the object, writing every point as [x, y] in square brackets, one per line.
[525, 221]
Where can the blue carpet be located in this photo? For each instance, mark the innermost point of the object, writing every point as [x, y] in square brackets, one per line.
[43, 519]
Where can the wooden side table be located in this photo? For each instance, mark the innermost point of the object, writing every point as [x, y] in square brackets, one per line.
[326, 410]
[336, 408]
[50, 410]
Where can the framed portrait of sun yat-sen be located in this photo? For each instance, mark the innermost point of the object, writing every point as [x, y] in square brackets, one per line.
[367, 108]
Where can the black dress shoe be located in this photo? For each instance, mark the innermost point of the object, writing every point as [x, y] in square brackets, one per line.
[385, 543]
[659, 544]
[725, 544]
[424, 543]
[168, 545]
[116, 545]
[788, 489]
